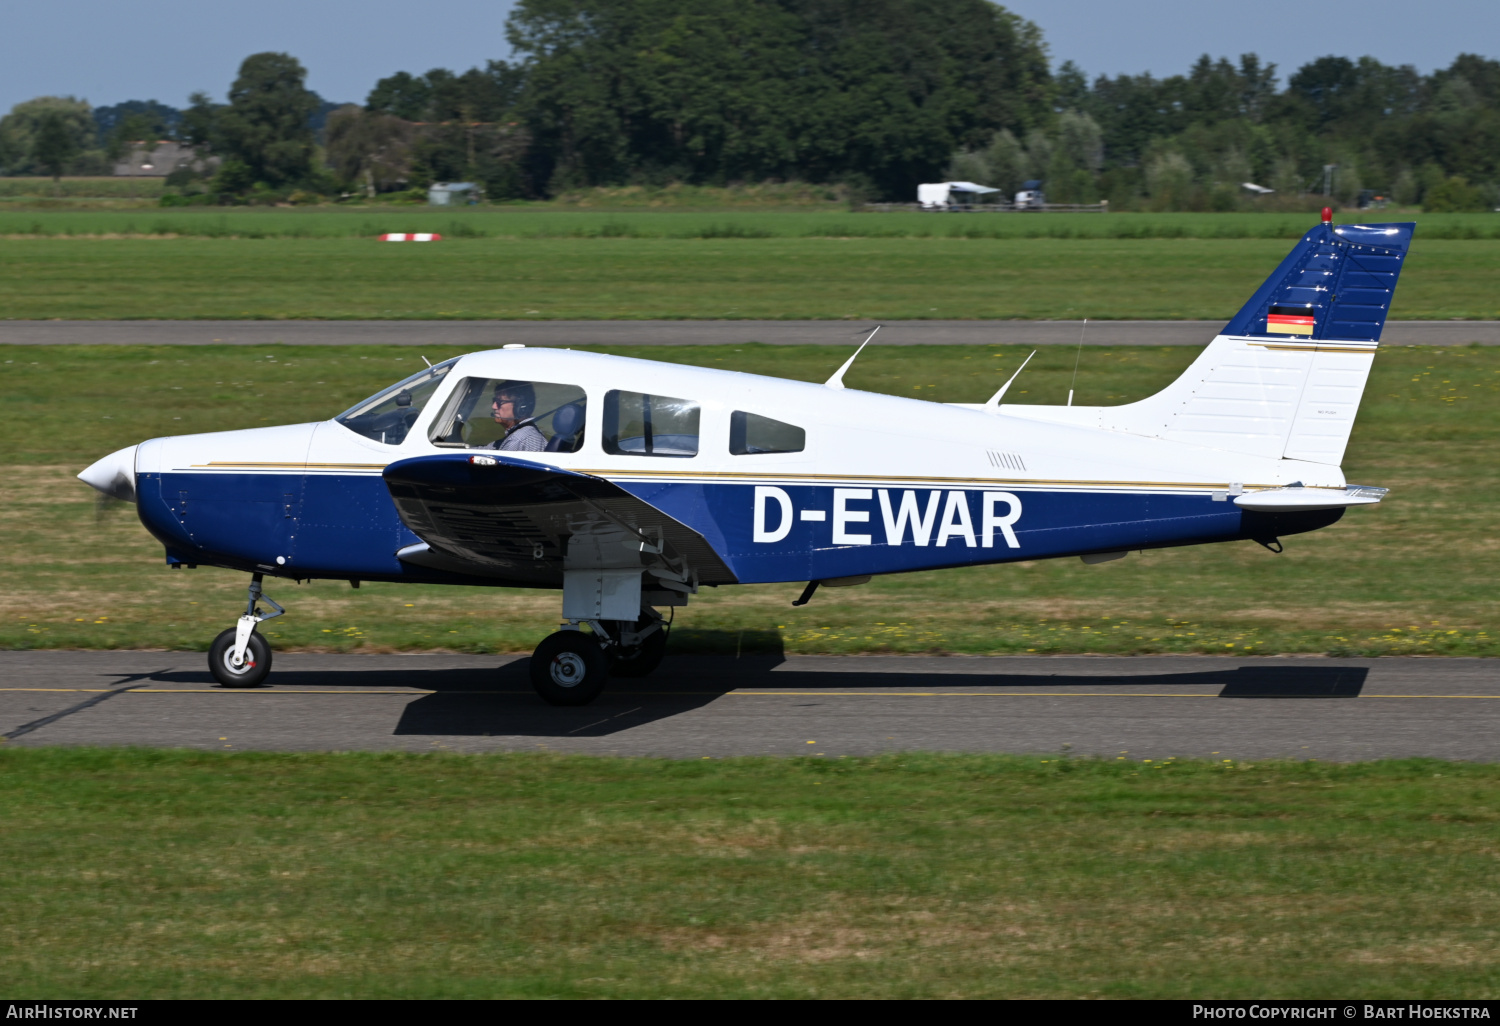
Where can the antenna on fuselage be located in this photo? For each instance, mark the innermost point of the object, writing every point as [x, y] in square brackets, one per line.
[993, 406]
[837, 381]
[426, 361]
[1077, 359]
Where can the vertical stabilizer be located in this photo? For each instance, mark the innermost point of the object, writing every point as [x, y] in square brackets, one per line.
[1285, 376]
[1335, 285]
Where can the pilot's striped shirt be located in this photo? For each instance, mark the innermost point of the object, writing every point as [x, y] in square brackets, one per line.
[524, 437]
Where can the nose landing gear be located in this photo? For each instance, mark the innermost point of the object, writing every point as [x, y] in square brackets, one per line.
[240, 658]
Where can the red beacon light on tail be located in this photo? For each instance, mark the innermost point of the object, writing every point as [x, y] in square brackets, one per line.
[1328, 215]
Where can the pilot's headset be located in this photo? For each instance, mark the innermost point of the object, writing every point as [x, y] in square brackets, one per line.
[521, 394]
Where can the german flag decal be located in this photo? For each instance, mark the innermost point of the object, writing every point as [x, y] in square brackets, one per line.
[1290, 320]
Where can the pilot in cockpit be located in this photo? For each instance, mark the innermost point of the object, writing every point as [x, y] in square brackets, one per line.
[512, 409]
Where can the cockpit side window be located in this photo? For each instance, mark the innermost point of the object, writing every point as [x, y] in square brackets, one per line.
[636, 424]
[389, 414]
[511, 415]
[751, 434]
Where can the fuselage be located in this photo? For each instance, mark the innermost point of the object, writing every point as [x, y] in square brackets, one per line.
[881, 484]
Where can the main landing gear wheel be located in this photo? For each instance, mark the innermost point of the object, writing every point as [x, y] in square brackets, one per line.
[568, 668]
[250, 673]
[640, 660]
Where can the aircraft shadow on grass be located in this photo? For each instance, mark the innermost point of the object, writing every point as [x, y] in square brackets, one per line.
[500, 702]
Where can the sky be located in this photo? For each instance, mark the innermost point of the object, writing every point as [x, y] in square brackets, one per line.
[106, 52]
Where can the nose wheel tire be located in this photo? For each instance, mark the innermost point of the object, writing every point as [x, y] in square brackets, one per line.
[249, 674]
[569, 668]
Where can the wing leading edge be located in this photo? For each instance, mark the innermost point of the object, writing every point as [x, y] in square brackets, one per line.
[495, 516]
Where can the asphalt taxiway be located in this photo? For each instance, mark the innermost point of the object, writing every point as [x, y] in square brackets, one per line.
[713, 706]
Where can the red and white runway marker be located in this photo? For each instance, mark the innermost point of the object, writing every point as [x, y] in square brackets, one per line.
[411, 237]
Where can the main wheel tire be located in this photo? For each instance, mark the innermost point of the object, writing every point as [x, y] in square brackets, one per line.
[257, 664]
[569, 668]
[643, 658]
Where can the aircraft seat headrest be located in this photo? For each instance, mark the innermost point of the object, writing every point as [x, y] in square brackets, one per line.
[565, 424]
[567, 420]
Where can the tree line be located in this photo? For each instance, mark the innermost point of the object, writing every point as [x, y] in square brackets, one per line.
[1339, 128]
[877, 94]
[55, 135]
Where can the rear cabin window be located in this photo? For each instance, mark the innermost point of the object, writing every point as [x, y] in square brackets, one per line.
[636, 424]
[389, 414]
[751, 434]
[512, 416]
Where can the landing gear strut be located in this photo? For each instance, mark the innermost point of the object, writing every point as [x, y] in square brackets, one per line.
[239, 657]
[641, 646]
[571, 667]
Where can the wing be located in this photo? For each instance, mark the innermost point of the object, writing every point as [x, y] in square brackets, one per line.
[498, 517]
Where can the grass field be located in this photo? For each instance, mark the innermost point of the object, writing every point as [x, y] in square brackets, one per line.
[178, 874]
[135, 874]
[37, 192]
[606, 278]
[1413, 576]
[551, 263]
[71, 194]
[548, 221]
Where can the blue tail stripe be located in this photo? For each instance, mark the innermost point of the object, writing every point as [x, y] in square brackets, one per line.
[1346, 274]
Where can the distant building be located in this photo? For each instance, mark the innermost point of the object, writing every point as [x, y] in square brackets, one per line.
[452, 194]
[159, 159]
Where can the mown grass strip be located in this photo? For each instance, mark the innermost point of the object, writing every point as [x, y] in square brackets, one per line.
[724, 278]
[199, 874]
[549, 222]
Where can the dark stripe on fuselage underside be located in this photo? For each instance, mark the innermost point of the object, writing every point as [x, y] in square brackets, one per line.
[346, 526]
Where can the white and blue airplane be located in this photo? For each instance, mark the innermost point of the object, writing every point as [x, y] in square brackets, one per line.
[629, 484]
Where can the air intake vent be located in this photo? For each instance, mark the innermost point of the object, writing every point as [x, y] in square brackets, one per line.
[1006, 460]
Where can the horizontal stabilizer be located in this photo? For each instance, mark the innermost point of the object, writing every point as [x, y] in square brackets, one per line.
[1296, 499]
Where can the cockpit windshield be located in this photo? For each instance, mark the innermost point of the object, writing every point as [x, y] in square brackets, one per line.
[389, 414]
